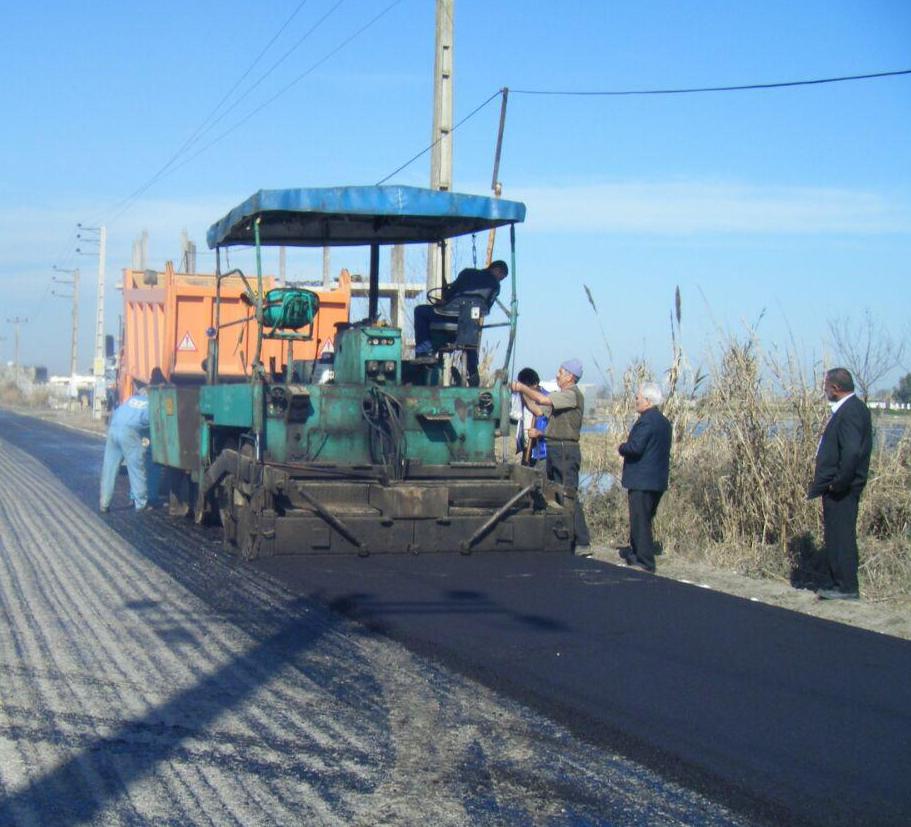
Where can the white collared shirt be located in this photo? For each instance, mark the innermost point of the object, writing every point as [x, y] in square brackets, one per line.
[834, 406]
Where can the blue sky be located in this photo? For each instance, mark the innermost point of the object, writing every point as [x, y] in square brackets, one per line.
[795, 201]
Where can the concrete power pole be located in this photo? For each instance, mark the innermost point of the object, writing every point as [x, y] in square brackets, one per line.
[100, 384]
[187, 253]
[74, 344]
[99, 234]
[16, 321]
[141, 251]
[327, 268]
[441, 157]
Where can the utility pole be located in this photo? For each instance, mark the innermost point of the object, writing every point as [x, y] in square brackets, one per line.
[495, 184]
[99, 235]
[441, 156]
[141, 251]
[397, 269]
[16, 321]
[187, 253]
[74, 282]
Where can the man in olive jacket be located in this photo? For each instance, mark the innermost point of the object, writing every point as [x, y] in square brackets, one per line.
[564, 408]
[842, 465]
[646, 468]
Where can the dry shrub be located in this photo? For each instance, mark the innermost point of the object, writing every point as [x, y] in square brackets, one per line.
[766, 440]
[742, 458]
[13, 396]
[39, 397]
[885, 508]
[884, 522]
[10, 394]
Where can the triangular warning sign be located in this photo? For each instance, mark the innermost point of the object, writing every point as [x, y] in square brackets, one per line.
[328, 347]
[187, 343]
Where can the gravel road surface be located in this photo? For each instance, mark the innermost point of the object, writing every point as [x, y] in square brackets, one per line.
[148, 678]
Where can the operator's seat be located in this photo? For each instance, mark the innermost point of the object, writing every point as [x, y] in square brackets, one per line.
[457, 322]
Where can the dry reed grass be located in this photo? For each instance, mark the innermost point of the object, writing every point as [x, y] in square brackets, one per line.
[12, 396]
[742, 458]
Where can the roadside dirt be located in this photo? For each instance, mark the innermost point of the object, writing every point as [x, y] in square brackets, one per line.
[890, 617]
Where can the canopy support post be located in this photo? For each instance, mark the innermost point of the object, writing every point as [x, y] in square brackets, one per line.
[373, 311]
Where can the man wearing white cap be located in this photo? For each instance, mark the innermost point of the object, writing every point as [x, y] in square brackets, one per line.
[646, 469]
[564, 458]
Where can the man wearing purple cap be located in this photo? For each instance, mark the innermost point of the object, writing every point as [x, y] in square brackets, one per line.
[564, 458]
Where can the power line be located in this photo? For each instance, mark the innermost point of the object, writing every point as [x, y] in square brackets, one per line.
[454, 128]
[287, 88]
[121, 206]
[256, 60]
[629, 92]
[274, 66]
[688, 91]
[270, 100]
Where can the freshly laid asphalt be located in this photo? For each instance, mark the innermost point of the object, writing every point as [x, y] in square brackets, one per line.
[783, 716]
[787, 718]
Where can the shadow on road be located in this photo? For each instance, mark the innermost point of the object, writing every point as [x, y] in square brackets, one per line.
[141, 745]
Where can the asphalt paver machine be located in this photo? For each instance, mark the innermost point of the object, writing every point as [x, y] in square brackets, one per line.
[384, 454]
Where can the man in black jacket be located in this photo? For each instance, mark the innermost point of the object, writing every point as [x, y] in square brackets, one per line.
[842, 465]
[646, 468]
[483, 283]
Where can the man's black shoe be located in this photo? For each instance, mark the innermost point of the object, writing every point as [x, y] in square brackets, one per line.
[638, 564]
[835, 594]
[626, 554]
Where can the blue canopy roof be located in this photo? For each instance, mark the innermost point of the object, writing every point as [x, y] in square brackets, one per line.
[335, 216]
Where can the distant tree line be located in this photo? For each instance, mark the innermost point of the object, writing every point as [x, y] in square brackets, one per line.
[902, 392]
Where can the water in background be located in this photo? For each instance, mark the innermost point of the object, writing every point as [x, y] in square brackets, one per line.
[888, 434]
[885, 434]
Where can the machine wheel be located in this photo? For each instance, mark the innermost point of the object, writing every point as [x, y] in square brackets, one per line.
[240, 526]
[224, 498]
[247, 536]
[180, 497]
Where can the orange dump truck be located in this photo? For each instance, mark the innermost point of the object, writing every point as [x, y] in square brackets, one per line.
[166, 316]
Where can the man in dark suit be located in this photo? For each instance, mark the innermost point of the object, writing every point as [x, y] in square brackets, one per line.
[842, 465]
[646, 468]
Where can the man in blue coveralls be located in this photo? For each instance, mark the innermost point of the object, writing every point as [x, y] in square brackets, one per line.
[129, 424]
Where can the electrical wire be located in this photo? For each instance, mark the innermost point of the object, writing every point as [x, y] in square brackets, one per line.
[200, 130]
[427, 149]
[210, 121]
[383, 414]
[693, 90]
[278, 63]
[631, 92]
[282, 91]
